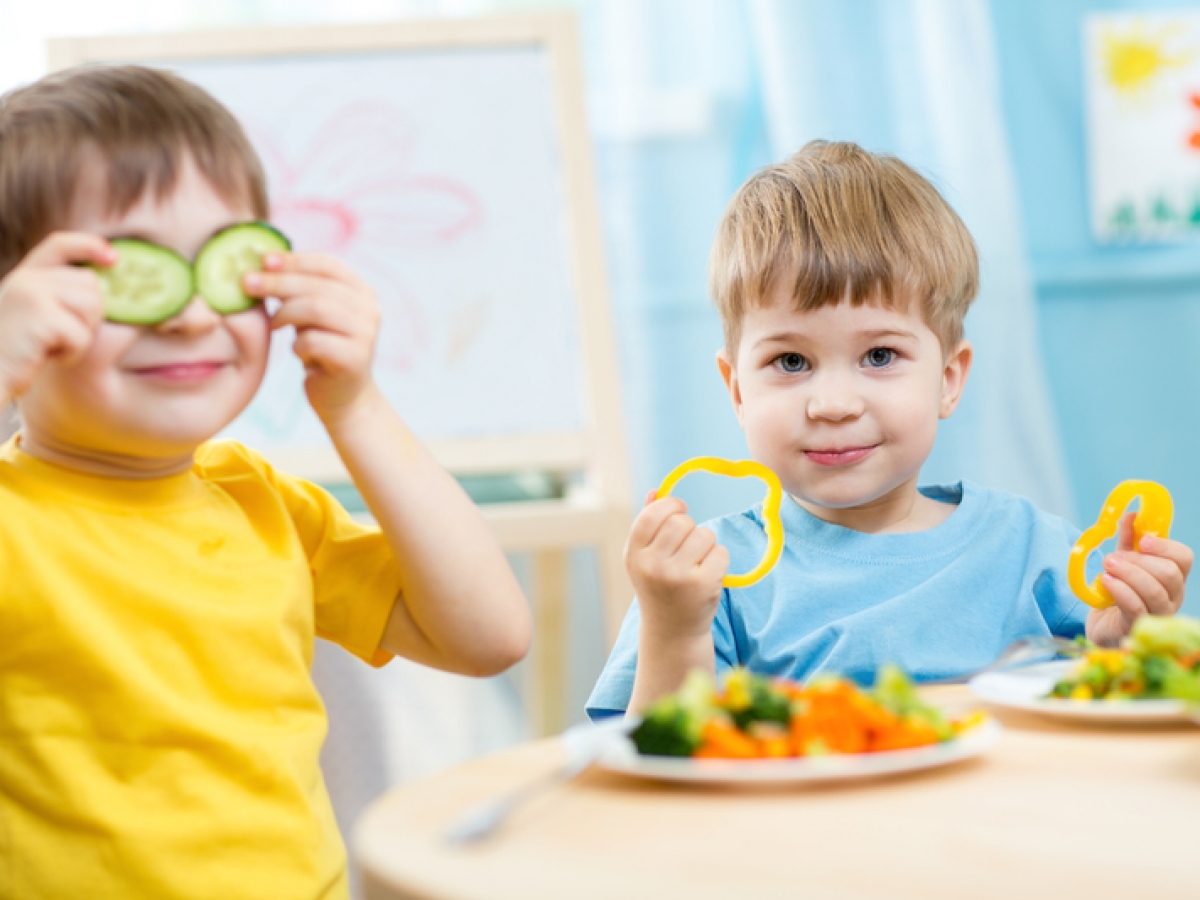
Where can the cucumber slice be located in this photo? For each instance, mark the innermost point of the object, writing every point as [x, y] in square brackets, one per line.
[227, 256]
[148, 284]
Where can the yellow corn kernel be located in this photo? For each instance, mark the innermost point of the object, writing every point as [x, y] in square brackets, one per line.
[737, 690]
[971, 720]
[1081, 692]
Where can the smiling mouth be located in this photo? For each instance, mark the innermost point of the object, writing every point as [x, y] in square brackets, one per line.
[843, 457]
[181, 372]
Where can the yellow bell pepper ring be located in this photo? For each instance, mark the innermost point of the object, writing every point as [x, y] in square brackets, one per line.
[741, 469]
[1154, 517]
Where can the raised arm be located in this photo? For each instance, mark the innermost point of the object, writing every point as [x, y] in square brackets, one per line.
[676, 569]
[460, 607]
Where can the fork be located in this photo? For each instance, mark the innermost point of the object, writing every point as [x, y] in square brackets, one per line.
[584, 745]
[1023, 652]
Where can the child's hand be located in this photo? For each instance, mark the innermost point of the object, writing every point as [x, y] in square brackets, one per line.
[676, 569]
[336, 321]
[50, 307]
[1147, 580]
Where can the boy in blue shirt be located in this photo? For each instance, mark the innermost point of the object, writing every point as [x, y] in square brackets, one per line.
[843, 279]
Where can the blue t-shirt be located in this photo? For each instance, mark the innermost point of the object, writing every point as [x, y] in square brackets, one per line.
[939, 602]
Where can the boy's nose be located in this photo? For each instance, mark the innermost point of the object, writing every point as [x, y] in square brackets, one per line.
[197, 316]
[833, 399]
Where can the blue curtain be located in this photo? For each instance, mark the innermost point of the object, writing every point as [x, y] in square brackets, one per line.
[691, 97]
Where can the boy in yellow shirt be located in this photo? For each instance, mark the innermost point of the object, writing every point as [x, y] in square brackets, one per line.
[159, 728]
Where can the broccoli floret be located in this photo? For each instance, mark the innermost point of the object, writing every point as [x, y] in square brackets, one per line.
[1167, 679]
[666, 730]
[1096, 676]
[672, 725]
[895, 692]
[751, 698]
[1172, 635]
[1062, 689]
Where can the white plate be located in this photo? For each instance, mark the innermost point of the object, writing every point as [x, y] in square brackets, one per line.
[1026, 689]
[621, 756]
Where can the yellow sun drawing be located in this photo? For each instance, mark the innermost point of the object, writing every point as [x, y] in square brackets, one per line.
[1134, 58]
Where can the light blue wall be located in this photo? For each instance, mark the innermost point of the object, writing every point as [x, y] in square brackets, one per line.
[1120, 326]
[662, 195]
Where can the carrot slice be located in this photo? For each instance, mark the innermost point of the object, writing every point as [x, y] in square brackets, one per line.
[723, 740]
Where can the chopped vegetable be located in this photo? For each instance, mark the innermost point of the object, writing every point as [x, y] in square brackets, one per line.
[751, 699]
[1172, 635]
[675, 724]
[753, 717]
[1159, 661]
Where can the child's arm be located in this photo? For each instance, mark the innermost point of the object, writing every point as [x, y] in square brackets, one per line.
[676, 570]
[1151, 579]
[50, 308]
[460, 607]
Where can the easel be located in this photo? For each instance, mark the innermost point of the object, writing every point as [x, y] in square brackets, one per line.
[596, 511]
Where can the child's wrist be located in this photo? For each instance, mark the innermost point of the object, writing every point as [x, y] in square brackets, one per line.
[360, 408]
[666, 642]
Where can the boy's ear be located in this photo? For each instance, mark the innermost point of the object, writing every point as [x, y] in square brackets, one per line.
[954, 376]
[729, 376]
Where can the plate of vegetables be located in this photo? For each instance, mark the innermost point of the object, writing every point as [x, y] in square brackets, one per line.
[1154, 677]
[756, 729]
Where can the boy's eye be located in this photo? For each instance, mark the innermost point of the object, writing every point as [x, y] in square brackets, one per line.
[791, 362]
[880, 357]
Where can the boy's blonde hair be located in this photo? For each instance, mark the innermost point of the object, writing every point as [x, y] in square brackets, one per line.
[140, 121]
[840, 223]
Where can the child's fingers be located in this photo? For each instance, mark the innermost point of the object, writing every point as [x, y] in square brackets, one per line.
[1125, 532]
[671, 535]
[695, 547]
[1150, 590]
[716, 563]
[1164, 572]
[62, 248]
[317, 264]
[650, 519]
[1165, 548]
[289, 284]
[72, 337]
[79, 290]
[327, 314]
[1125, 598]
[331, 353]
[650, 497]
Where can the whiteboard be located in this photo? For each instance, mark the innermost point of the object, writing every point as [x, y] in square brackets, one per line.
[437, 175]
[448, 162]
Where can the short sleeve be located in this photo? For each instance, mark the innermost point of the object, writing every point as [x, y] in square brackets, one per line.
[1065, 615]
[610, 696]
[724, 641]
[356, 579]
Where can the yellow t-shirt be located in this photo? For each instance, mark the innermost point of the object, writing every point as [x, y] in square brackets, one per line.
[159, 727]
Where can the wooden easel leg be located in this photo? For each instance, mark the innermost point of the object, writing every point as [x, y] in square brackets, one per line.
[548, 694]
[616, 591]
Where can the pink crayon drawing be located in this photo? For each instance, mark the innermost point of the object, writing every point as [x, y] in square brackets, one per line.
[352, 192]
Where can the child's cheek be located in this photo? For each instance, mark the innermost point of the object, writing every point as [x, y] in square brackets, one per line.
[112, 344]
[251, 332]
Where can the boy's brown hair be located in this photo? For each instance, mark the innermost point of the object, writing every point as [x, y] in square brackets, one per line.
[140, 122]
[841, 223]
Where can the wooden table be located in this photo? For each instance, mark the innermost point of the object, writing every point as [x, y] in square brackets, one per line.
[1053, 810]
